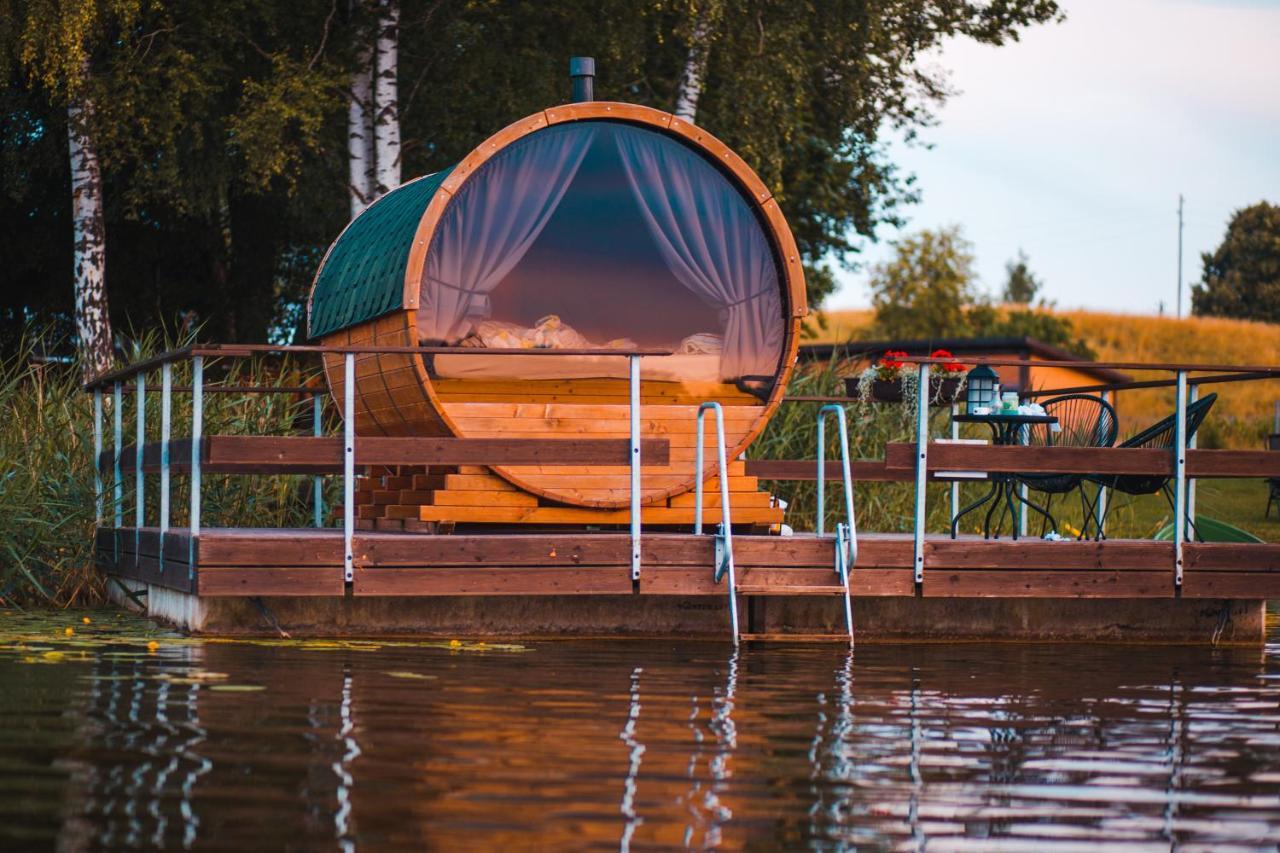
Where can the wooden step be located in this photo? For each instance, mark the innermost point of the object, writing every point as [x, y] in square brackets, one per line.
[775, 589]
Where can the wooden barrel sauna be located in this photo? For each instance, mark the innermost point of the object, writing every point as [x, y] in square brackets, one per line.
[589, 225]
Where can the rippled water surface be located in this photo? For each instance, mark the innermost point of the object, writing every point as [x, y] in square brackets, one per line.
[113, 734]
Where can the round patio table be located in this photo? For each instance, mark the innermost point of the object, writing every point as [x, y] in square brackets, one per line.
[1006, 429]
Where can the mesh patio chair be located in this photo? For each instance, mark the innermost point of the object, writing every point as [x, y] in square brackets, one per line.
[1159, 436]
[1083, 421]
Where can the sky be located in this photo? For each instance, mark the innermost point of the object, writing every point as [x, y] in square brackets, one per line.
[1074, 143]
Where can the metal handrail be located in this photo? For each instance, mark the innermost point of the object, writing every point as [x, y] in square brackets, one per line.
[197, 354]
[726, 524]
[847, 533]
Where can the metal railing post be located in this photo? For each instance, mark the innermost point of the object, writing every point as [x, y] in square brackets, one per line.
[1193, 394]
[97, 456]
[348, 466]
[726, 522]
[1179, 475]
[844, 561]
[955, 484]
[166, 415]
[117, 402]
[634, 364]
[139, 479]
[1100, 505]
[820, 524]
[922, 469]
[197, 439]
[1024, 436]
[317, 485]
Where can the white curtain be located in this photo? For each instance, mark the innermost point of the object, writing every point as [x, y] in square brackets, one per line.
[491, 224]
[713, 244]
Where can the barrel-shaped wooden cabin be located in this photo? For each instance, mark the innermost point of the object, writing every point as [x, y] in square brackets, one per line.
[589, 225]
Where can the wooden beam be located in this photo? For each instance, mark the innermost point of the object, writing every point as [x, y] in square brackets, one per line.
[1005, 554]
[494, 580]
[267, 454]
[863, 470]
[295, 581]
[1048, 584]
[1235, 556]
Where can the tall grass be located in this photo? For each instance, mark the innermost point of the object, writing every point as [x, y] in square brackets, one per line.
[792, 434]
[48, 498]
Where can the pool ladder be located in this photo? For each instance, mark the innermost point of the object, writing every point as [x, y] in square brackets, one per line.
[846, 535]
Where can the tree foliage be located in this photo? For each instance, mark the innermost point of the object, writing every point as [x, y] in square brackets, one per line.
[1242, 276]
[221, 126]
[928, 290]
[1021, 285]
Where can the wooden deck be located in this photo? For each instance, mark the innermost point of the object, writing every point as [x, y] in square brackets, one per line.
[308, 563]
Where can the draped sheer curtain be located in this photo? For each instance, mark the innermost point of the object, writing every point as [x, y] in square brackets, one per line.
[492, 223]
[713, 244]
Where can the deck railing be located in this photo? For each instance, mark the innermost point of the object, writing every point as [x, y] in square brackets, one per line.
[922, 460]
[317, 454]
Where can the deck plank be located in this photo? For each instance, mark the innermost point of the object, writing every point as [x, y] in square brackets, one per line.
[494, 580]
[292, 581]
[1071, 583]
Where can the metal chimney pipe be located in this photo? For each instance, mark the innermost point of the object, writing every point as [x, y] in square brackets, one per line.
[582, 70]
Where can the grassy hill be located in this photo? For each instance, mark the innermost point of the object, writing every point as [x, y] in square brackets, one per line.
[1243, 413]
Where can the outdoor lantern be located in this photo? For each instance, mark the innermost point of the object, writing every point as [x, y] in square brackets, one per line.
[981, 388]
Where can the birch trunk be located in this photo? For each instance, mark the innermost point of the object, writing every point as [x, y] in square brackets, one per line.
[689, 89]
[93, 323]
[386, 101]
[360, 133]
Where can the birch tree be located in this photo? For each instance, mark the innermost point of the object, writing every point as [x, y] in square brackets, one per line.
[93, 323]
[706, 17]
[386, 100]
[360, 154]
[55, 46]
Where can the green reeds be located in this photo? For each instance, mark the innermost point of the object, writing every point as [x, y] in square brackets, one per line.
[47, 491]
[791, 434]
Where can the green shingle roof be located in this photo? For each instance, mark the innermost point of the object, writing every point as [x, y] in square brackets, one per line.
[363, 277]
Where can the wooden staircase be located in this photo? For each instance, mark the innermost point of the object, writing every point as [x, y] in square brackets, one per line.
[435, 499]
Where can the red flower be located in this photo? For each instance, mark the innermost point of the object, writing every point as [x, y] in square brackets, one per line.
[952, 366]
[892, 360]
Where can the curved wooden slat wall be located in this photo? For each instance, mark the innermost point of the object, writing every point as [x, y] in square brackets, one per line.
[395, 395]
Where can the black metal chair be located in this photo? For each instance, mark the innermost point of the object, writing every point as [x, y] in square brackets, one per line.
[1083, 421]
[1159, 436]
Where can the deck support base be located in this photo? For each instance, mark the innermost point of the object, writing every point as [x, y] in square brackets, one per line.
[1185, 621]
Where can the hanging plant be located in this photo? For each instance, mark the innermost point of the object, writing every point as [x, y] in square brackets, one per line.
[890, 379]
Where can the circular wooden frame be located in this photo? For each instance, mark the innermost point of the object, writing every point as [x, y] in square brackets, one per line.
[396, 395]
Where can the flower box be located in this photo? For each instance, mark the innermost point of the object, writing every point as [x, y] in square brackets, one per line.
[942, 390]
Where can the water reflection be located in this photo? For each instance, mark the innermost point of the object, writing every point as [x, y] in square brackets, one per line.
[638, 744]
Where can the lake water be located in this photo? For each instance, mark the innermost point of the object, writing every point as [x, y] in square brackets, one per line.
[117, 735]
